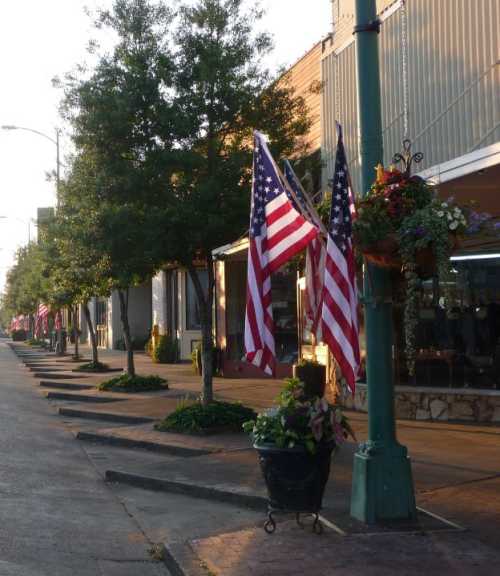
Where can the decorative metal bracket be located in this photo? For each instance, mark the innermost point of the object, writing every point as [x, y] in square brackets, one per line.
[372, 26]
[406, 157]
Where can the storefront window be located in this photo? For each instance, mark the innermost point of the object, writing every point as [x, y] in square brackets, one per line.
[284, 312]
[192, 307]
[458, 347]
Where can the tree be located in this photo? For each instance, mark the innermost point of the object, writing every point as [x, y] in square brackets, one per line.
[122, 121]
[169, 130]
[222, 93]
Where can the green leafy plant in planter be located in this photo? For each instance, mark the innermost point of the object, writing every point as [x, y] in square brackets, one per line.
[127, 383]
[295, 441]
[401, 224]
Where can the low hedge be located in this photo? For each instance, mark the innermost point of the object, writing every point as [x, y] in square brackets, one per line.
[126, 383]
[92, 367]
[215, 417]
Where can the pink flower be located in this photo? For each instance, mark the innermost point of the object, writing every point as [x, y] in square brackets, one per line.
[317, 427]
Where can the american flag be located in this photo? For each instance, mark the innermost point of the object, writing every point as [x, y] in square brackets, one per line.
[41, 323]
[58, 320]
[277, 233]
[315, 262]
[339, 320]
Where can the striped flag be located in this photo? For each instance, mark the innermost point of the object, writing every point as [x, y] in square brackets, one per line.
[315, 262]
[277, 232]
[42, 316]
[339, 320]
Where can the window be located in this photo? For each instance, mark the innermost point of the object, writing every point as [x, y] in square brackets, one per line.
[192, 306]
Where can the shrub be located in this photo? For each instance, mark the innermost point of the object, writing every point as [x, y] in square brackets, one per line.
[35, 342]
[92, 367]
[18, 335]
[126, 383]
[166, 350]
[214, 417]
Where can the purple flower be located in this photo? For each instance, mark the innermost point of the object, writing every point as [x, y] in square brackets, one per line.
[419, 231]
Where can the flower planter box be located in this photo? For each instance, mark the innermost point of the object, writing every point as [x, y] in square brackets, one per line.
[314, 378]
[295, 480]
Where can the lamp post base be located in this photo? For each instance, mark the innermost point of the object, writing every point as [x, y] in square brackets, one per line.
[382, 484]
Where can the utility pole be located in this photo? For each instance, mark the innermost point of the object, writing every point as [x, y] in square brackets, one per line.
[382, 485]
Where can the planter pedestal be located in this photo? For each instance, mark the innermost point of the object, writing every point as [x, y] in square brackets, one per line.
[295, 481]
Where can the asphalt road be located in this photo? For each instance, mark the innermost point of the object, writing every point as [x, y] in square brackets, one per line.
[57, 517]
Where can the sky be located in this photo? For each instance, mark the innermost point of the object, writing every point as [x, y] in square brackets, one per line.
[41, 40]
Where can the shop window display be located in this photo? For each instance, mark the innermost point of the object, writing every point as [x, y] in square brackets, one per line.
[458, 345]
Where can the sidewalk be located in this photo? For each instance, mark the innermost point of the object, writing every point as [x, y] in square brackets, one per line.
[456, 471]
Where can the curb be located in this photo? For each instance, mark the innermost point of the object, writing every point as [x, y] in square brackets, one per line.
[186, 489]
[75, 397]
[180, 560]
[65, 385]
[57, 376]
[142, 444]
[105, 416]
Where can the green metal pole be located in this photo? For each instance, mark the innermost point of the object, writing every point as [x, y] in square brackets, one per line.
[382, 485]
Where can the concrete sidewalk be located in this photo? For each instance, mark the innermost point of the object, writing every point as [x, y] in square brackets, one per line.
[456, 470]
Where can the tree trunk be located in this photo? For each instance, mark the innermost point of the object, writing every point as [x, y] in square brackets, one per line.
[207, 346]
[123, 296]
[93, 339]
[75, 331]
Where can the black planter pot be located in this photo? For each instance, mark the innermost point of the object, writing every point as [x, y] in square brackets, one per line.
[295, 479]
[314, 378]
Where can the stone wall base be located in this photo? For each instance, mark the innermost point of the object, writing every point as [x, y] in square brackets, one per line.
[435, 404]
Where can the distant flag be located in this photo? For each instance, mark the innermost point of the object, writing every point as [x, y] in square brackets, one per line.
[339, 320]
[58, 320]
[41, 323]
[277, 232]
[315, 262]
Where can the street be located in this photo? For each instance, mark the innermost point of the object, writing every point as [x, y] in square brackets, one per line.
[57, 517]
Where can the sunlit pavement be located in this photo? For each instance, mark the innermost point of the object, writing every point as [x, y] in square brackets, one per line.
[57, 517]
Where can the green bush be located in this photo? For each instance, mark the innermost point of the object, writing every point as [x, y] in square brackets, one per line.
[18, 335]
[92, 367]
[126, 383]
[35, 342]
[214, 417]
[165, 351]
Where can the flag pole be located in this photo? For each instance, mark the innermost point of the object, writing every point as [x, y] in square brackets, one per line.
[311, 213]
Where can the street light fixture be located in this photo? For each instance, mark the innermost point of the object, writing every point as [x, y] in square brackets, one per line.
[53, 140]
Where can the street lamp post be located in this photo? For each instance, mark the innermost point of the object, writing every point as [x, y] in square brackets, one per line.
[53, 140]
[382, 485]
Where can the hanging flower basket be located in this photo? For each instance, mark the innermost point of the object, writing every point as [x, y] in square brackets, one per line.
[402, 225]
[385, 254]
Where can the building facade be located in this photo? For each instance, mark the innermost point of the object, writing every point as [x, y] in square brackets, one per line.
[440, 87]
